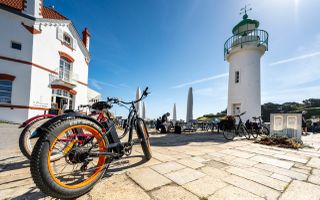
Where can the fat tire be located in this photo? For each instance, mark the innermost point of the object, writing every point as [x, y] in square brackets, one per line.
[25, 136]
[144, 136]
[39, 167]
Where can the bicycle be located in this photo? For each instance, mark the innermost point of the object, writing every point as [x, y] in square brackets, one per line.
[260, 128]
[67, 164]
[26, 142]
[229, 132]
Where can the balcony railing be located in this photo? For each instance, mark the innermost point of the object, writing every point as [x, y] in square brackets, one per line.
[260, 37]
[66, 76]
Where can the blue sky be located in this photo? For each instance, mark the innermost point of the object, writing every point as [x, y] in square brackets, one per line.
[170, 45]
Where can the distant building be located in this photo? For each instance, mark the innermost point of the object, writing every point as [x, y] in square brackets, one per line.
[93, 96]
[43, 60]
[243, 51]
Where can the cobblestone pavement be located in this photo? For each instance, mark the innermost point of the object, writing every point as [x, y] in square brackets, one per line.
[191, 166]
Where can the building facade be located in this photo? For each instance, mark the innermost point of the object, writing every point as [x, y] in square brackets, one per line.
[243, 51]
[43, 60]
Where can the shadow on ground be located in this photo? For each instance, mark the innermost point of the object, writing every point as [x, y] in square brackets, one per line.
[172, 139]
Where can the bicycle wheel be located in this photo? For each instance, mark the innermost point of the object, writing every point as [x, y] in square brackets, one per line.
[254, 132]
[25, 143]
[229, 134]
[73, 172]
[244, 132]
[144, 136]
[264, 130]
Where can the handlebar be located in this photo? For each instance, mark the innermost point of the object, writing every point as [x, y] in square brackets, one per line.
[115, 100]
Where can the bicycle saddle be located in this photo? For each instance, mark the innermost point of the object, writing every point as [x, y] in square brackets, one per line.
[100, 105]
[255, 118]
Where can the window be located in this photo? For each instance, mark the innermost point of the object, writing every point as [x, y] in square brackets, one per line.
[237, 77]
[16, 45]
[236, 109]
[5, 91]
[64, 70]
[67, 39]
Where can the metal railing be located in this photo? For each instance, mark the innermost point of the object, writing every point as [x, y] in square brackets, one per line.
[67, 76]
[256, 35]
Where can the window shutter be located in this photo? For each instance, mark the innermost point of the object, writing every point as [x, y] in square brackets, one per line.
[59, 34]
[74, 43]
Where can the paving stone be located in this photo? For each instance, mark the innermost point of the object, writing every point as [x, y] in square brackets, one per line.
[252, 187]
[190, 163]
[172, 192]
[214, 172]
[256, 150]
[273, 161]
[290, 173]
[216, 164]
[281, 177]
[117, 187]
[238, 153]
[167, 167]
[291, 158]
[302, 191]
[305, 171]
[203, 187]
[242, 162]
[314, 162]
[147, 178]
[316, 171]
[231, 193]
[199, 159]
[184, 176]
[259, 171]
[314, 179]
[162, 157]
[265, 180]
[216, 154]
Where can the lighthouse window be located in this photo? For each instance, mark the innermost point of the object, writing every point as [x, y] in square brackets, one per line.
[237, 77]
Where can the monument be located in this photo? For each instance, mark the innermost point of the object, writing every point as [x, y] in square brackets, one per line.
[243, 51]
[138, 104]
[189, 116]
[143, 111]
[174, 115]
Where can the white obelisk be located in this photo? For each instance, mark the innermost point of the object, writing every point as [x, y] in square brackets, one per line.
[174, 115]
[190, 106]
[143, 111]
[138, 105]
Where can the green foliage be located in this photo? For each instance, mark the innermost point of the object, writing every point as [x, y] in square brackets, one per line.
[312, 106]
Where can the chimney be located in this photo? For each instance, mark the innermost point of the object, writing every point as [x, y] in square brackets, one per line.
[33, 8]
[86, 38]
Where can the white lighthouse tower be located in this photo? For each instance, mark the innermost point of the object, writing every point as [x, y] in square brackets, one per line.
[243, 51]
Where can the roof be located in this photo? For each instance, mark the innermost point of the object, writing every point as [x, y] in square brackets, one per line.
[47, 13]
[244, 22]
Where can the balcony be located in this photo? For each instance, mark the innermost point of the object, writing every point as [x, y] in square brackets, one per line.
[256, 36]
[65, 77]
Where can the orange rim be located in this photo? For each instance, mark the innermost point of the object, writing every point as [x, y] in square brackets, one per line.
[100, 164]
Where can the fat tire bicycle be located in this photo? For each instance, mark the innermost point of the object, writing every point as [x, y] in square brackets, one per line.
[74, 151]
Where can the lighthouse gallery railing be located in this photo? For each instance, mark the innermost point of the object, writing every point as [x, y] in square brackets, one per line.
[256, 35]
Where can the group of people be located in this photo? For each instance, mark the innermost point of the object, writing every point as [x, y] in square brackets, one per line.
[163, 123]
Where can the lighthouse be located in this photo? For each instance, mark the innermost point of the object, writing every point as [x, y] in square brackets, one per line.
[243, 50]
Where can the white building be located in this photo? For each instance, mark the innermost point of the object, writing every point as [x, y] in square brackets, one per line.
[243, 51]
[42, 60]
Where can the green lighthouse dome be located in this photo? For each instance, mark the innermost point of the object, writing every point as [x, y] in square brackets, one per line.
[245, 26]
